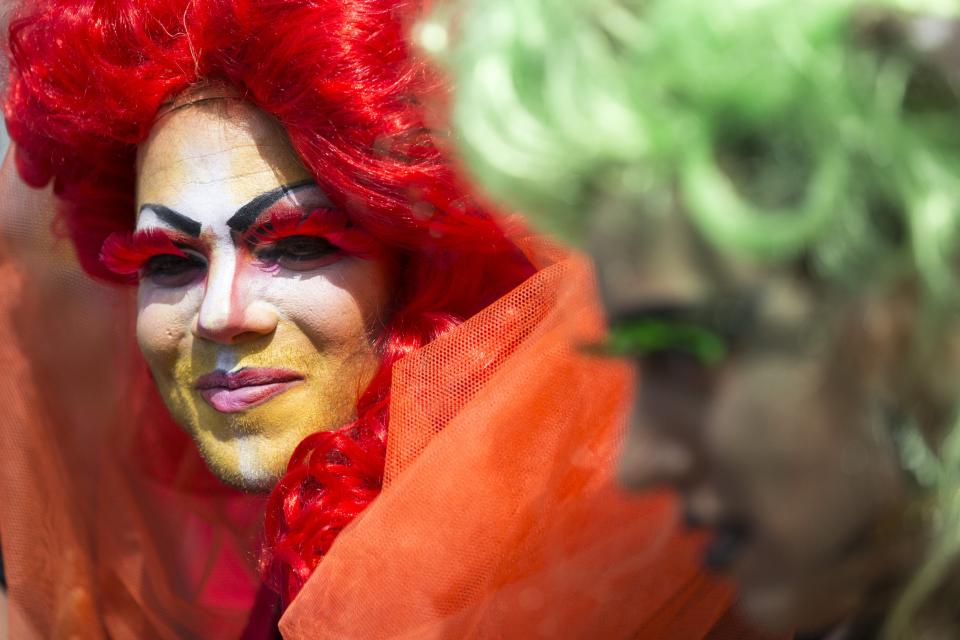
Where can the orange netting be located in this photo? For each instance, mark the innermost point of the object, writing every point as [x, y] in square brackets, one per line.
[498, 518]
[109, 525]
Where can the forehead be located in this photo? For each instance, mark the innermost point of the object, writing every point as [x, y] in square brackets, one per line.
[646, 258]
[208, 159]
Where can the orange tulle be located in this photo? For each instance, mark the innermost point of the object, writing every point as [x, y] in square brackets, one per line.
[498, 519]
[109, 523]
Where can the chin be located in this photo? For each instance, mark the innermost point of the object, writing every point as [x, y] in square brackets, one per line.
[771, 608]
[250, 463]
[784, 606]
[248, 484]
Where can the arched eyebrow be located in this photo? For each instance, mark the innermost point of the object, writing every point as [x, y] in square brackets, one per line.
[176, 220]
[248, 213]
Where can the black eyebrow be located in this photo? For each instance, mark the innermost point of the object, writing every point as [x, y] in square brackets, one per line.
[248, 213]
[174, 219]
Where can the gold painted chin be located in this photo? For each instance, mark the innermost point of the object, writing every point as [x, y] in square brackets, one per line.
[254, 462]
[250, 463]
[250, 450]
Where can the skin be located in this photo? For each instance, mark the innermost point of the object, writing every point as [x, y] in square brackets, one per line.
[782, 450]
[319, 319]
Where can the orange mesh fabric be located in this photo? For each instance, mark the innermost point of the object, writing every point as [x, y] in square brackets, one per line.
[109, 525]
[499, 518]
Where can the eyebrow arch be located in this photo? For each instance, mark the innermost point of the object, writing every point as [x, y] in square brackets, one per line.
[248, 213]
[176, 220]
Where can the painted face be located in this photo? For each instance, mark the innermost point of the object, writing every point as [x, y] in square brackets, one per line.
[767, 403]
[258, 303]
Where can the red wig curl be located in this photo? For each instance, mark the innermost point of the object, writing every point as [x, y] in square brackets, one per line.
[87, 79]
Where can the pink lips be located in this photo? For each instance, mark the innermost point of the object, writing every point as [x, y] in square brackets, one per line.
[244, 389]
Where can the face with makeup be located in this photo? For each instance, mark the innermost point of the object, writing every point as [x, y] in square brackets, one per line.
[258, 303]
[769, 400]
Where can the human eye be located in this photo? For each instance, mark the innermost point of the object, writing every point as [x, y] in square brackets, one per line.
[156, 256]
[169, 270]
[673, 356]
[298, 252]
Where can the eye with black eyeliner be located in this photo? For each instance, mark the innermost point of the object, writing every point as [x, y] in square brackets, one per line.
[297, 253]
[163, 257]
[168, 270]
[287, 236]
[289, 239]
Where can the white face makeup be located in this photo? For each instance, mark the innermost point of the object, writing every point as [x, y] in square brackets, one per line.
[255, 342]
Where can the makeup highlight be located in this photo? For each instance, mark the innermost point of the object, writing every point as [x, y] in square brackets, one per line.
[262, 328]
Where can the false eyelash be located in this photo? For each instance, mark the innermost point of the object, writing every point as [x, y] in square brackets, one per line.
[329, 224]
[125, 253]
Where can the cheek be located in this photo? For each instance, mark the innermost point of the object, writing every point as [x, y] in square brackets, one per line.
[783, 439]
[768, 418]
[163, 325]
[346, 306]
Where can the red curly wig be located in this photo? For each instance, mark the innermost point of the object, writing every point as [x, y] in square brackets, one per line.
[87, 79]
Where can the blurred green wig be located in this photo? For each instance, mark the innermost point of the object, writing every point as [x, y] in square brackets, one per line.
[828, 129]
[781, 126]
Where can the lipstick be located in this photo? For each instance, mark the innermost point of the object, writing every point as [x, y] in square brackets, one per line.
[238, 391]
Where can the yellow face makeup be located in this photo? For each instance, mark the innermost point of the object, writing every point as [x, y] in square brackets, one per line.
[252, 348]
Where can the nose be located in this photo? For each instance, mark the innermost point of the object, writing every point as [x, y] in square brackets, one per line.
[650, 459]
[233, 309]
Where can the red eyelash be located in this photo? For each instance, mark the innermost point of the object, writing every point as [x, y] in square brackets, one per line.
[125, 253]
[329, 224]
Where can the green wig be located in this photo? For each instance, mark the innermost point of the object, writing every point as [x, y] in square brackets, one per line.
[828, 129]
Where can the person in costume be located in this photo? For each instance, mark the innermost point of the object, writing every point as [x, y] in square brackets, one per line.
[770, 192]
[327, 315]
